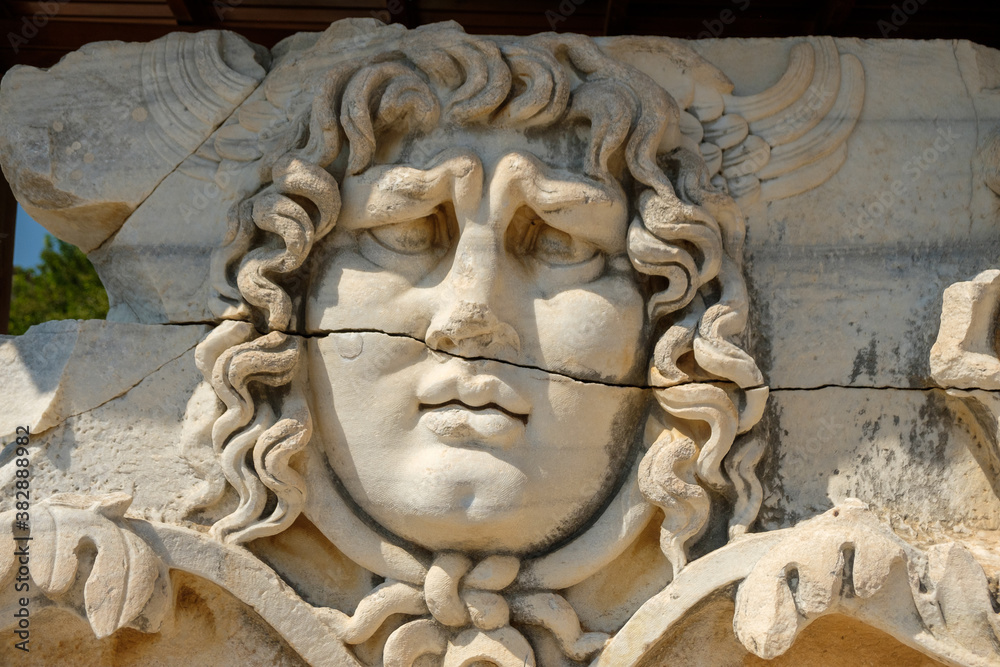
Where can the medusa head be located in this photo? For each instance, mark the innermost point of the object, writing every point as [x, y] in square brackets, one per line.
[521, 294]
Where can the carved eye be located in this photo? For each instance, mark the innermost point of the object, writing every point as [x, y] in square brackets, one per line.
[555, 252]
[556, 247]
[414, 237]
[412, 248]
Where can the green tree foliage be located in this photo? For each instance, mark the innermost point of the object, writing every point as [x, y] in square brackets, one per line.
[64, 286]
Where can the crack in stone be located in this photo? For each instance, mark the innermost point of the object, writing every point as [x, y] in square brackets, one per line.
[209, 137]
[189, 323]
[325, 333]
[66, 418]
[772, 389]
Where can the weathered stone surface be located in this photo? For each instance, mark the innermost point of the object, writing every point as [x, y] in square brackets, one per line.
[111, 407]
[63, 369]
[429, 349]
[85, 142]
[897, 450]
[848, 277]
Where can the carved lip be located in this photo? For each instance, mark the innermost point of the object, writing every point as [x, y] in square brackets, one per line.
[458, 423]
[464, 408]
[471, 391]
[487, 408]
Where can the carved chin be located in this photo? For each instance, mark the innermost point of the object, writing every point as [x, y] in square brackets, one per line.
[469, 500]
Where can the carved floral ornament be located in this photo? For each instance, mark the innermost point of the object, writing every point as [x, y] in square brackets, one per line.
[479, 318]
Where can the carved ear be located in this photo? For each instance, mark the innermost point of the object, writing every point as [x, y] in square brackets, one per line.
[114, 120]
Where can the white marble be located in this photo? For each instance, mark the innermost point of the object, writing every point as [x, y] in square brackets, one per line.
[435, 349]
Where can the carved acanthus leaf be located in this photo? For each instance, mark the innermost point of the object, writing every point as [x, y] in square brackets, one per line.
[128, 584]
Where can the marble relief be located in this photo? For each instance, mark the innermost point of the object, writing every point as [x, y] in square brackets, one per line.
[429, 348]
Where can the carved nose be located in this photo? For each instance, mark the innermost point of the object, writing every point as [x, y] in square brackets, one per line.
[471, 329]
[467, 324]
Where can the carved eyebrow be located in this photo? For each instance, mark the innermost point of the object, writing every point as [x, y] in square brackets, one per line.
[396, 193]
[565, 200]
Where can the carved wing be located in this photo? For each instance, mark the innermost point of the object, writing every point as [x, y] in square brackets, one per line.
[788, 138]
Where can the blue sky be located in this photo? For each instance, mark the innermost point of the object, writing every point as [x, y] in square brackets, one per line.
[28, 239]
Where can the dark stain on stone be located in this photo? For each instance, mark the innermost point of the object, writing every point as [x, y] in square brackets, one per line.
[716, 533]
[774, 512]
[920, 337]
[994, 588]
[865, 361]
[928, 436]
[890, 456]
[870, 429]
[759, 332]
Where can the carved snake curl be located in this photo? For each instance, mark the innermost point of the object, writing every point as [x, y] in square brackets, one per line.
[706, 306]
[253, 445]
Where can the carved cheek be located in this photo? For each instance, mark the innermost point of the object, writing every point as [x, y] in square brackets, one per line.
[596, 332]
[354, 295]
[351, 377]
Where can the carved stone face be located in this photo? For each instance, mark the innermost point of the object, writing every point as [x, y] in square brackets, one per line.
[485, 420]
